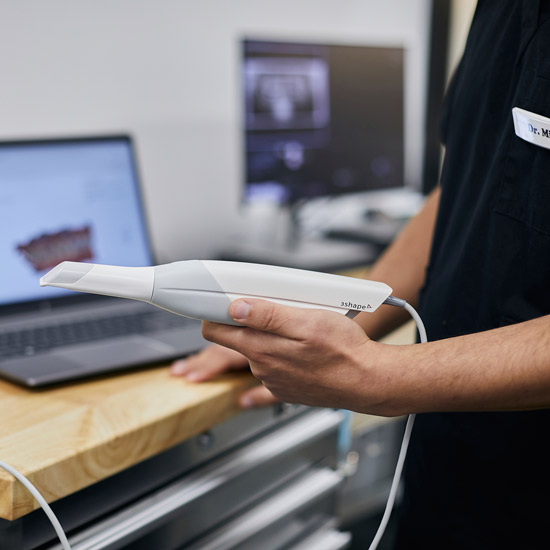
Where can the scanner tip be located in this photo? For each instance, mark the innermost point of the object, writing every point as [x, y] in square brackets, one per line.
[65, 273]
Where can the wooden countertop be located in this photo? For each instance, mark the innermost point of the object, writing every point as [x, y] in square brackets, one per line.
[66, 438]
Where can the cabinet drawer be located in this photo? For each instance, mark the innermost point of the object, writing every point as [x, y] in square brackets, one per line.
[281, 519]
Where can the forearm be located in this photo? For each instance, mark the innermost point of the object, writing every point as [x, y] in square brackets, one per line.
[498, 370]
[403, 267]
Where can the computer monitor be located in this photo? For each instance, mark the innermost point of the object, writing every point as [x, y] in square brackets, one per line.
[321, 119]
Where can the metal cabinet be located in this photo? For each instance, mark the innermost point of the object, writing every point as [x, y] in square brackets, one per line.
[374, 450]
[266, 479]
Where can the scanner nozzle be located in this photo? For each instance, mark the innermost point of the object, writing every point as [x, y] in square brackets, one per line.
[122, 282]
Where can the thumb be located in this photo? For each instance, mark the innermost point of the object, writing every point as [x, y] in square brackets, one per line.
[268, 316]
[258, 396]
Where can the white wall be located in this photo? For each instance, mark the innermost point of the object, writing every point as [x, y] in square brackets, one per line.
[167, 72]
[462, 12]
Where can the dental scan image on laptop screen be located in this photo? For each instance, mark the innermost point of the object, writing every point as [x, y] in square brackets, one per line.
[66, 200]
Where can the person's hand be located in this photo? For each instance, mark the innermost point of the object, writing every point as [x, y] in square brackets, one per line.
[312, 357]
[215, 360]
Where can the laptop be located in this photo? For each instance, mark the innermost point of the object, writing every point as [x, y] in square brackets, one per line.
[76, 199]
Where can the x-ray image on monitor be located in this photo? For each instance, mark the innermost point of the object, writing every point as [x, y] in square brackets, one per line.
[286, 93]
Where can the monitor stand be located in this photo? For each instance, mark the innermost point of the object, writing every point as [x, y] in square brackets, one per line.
[288, 247]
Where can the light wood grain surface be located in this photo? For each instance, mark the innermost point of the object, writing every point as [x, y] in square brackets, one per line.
[67, 438]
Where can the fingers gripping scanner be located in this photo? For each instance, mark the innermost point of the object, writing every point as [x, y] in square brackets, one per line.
[204, 289]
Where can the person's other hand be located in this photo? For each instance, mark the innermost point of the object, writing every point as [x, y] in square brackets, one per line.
[313, 357]
[215, 360]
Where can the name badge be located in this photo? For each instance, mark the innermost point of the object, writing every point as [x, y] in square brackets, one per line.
[532, 127]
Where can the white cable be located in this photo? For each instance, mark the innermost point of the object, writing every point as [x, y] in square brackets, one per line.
[419, 324]
[40, 499]
[404, 446]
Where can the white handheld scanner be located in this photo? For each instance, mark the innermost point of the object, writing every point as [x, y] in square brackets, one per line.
[204, 289]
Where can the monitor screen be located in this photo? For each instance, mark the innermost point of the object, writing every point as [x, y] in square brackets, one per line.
[68, 199]
[321, 119]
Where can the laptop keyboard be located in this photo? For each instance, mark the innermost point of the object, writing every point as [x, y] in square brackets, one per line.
[33, 340]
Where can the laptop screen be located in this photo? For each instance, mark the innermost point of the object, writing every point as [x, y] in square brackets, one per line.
[69, 199]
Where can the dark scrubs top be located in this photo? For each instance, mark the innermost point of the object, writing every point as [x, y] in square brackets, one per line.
[482, 480]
